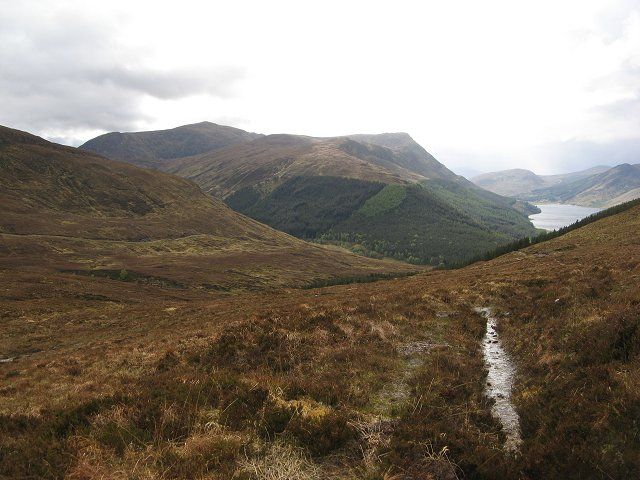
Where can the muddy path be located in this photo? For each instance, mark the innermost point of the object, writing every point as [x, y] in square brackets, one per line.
[500, 381]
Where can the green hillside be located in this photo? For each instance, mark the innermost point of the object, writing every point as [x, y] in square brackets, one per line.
[379, 195]
[503, 214]
[388, 199]
[429, 225]
[438, 222]
[305, 206]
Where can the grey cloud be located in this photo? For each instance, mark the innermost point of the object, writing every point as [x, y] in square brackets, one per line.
[60, 70]
[622, 114]
[574, 155]
[172, 85]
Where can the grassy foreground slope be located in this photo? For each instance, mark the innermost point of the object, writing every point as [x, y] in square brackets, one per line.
[71, 211]
[574, 326]
[315, 187]
[373, 381]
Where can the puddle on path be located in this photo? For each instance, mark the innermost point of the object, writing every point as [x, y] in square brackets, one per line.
[500, 382]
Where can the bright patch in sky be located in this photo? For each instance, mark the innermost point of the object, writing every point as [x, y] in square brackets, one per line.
[548, 85]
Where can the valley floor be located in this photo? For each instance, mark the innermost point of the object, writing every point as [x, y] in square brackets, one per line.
[379, 380]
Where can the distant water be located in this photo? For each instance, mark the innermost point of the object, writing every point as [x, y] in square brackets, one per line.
[555, 216]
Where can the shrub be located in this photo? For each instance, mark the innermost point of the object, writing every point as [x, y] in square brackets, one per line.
[259, 343]
[124, 276]
[322, 433]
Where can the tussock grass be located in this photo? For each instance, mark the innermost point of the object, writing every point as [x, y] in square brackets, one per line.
[163, 383]
[281, 461]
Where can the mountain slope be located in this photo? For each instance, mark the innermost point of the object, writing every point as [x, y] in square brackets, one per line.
[625, 197]
[518, 182]
[604, 189]
[99, 377]
[408, 154]
[435, 223]
[513, 182]
[573, 176]
[314, 187]
[68, 209]
[264, 163]
[153, 148]
[595, 187]
[49, 189]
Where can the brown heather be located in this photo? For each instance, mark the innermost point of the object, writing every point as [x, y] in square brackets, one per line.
[115, 376]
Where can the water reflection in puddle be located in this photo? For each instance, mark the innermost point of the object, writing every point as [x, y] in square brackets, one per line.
[500, 382]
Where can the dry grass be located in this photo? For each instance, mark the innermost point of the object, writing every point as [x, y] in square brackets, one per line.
[111, 381]
[68, 210]
[281, 461]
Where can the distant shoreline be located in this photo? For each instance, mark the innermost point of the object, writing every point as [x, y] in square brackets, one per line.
[557, 215]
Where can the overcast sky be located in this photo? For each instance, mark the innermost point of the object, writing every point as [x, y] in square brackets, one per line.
[550, 85]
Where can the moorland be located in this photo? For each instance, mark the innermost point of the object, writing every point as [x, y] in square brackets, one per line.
[149, 331]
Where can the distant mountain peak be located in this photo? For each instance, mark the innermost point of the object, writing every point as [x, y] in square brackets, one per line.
[9, 136]
[598, 186]
[389, 139]
[625, 167]
[153, 148]
[395, 135]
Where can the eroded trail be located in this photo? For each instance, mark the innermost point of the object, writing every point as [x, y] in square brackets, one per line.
[500, 382]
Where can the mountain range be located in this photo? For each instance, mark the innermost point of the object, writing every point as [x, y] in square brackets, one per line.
[70, 210]
[144, 335]
[596, 187]
[153, 148]
[380, 195]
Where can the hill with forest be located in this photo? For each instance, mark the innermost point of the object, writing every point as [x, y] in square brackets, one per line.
[105, 378]
[595, 187]
[74, 211]
[379, 195]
